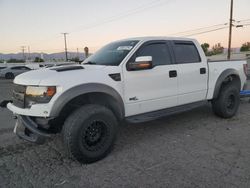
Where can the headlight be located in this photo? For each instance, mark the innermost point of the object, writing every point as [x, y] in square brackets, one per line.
[36, 94]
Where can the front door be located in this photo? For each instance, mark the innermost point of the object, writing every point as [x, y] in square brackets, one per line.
[152, 89]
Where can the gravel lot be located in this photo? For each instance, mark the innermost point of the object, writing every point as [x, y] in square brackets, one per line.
[191, 149]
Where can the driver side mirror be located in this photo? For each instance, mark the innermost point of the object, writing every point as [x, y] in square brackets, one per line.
[141, 63]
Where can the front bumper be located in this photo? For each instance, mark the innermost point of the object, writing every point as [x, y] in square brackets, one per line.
[28, 130]
[38, 110]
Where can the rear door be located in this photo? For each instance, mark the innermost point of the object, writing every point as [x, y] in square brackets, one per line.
[193, 72]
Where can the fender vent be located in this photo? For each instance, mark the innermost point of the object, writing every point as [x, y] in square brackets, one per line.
[67, 68]
[116, 76]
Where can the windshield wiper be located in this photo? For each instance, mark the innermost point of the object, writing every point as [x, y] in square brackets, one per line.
[90, 63]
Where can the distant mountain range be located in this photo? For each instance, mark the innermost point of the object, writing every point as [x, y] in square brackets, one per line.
[45, 56]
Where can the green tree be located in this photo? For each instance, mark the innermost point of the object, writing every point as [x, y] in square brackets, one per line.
[245, 47]
[75, 59]
[38, 59]
[15, 61]
[217, 49]
[205, 47]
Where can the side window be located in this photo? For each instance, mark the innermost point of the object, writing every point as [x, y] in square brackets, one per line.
[25, 68]
[15, 68]
[159, 52]
[186, 52]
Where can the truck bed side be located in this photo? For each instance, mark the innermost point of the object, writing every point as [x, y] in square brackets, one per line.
[217, 68]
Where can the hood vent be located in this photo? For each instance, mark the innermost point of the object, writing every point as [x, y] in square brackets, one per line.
[67, 68]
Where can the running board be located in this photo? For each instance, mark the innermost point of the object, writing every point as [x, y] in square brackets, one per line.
[163, 113]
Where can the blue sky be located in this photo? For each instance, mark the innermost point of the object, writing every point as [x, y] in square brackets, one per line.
[38, 24]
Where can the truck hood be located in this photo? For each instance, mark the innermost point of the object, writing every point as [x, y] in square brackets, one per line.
[58, 75]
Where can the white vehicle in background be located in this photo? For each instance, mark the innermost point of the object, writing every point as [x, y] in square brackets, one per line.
[13, 71]
[56, 64]
[136, 80]
[33, 66]
[2, 67]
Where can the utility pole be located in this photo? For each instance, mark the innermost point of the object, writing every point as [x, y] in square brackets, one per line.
[28, 52]
[65, 44]
[23, 48]
[230, 31]
[77, 52]
[86, 52]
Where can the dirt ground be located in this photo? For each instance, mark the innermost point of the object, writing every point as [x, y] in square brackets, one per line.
[191, 149]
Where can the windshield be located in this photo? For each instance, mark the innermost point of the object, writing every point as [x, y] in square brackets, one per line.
[111, 54]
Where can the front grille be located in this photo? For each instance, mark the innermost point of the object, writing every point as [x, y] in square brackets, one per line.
[18, 95]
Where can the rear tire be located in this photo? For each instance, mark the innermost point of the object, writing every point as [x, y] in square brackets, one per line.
[227, 103]
[89, 133]
[9, 75]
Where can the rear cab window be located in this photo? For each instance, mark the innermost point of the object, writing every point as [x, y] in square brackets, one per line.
[185, 52]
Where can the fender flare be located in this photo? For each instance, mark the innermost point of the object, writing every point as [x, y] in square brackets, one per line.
[222, 78]
[82, 89]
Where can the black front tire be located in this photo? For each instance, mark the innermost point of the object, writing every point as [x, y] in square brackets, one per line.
[228, 101]
[89, 133]
[9, 75]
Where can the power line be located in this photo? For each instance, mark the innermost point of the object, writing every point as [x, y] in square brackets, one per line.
[149, 5]
[242, 25]
[243, 20]
[152, 4]
[110, 18]
[198, 29]
[186, 33]
[203, 32]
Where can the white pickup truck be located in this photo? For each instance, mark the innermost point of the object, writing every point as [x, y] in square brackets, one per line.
[136, 80]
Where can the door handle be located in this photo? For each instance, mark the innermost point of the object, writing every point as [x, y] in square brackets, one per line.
[203, 70]
[172, 73]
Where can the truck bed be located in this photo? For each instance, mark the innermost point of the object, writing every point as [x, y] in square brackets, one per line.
[216, 68]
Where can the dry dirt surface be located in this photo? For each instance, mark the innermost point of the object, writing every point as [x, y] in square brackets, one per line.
[191, 149]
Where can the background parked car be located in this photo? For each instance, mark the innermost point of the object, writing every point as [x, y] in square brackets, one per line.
[11, 72]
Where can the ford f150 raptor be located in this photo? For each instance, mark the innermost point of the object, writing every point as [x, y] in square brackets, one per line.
[136, 79]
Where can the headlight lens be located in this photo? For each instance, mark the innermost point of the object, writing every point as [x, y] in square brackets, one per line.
[41, 91]
[36, 94]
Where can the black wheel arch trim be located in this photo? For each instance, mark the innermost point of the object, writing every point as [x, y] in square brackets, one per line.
[82, 89]
[222, 78]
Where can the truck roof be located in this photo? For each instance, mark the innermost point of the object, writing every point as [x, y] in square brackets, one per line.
[146, 38]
